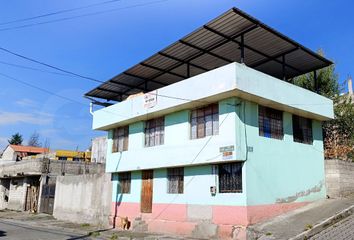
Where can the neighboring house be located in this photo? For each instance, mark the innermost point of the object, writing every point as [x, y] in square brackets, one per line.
[214, 145]
[17, 152]
[66, 155]
[99, 149]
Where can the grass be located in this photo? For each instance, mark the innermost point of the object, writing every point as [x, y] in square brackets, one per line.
[114, 236]
[94, 234]
[85, 225]
[308, 227]
[268, 234]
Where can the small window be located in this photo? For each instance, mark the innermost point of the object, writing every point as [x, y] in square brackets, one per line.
[230, 177]
[175, 178]
[302, 130]
[270, 122]
[154, 132]
[120, 139]
[124, 182]
[205, 121]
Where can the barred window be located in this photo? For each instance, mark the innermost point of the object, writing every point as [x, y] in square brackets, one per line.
[302, 130]
[175, 178]
[120, 139]
[230, 177]
[270, 122]
[154, 132]
[205, 121]
[124, 182]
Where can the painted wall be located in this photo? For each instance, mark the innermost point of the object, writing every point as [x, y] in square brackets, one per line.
[282, 171]
[8, 154]
[178, 149]
[234, 79]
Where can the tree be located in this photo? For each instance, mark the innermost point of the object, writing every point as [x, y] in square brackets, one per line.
[327, 81]
[338, 133]
[16, 139]
[34, 140]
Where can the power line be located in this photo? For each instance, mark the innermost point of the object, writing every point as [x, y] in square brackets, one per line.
[82, 15]
[33, 69]
[58, 12]
[114, 84]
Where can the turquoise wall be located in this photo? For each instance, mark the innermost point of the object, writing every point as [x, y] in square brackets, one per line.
[274, 170]
[282, 170]
[197, 182]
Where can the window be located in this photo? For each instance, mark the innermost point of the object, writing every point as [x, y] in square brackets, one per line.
[230, 177]
[205, 121]
[124, 182]
[154, 132]
[120, 139]
[270, 122]
[302, 130]
[175, 178]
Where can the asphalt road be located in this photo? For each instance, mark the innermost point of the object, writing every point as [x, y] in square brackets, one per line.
[343, 230]
[14, 231]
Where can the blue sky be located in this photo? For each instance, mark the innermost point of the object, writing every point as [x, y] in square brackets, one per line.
[102, 46]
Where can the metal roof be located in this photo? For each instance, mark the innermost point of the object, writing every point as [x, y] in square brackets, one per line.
[219, 42]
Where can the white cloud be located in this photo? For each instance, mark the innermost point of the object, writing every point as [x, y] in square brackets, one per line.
[26, 102]
[10, 118]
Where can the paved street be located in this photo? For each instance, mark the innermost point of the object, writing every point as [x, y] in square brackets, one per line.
[342, 230]
[11, 230]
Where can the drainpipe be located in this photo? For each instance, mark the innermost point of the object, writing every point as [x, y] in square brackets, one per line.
[91, 108]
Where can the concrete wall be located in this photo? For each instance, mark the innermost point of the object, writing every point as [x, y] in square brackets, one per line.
[99, 149]
[339, 178]
[83, 199]
[8, 155]
[17, 194]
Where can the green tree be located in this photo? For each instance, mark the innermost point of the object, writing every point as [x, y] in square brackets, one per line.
[339, 132]
[327, 81]
[16, 139]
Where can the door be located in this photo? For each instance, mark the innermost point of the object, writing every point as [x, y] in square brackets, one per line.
[146, 191]
[47, 199]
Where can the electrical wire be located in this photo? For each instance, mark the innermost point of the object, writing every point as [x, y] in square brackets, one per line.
[58, 12]
[81, 16]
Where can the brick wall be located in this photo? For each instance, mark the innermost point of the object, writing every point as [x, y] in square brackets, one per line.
[17, 194]
[339, 178]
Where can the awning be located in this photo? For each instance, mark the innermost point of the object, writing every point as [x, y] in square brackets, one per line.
[232, 37]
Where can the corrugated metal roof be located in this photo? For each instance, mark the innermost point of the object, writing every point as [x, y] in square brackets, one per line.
[213, 45]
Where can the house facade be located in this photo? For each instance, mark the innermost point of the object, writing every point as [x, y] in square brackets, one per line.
[13, 153]
[213, 152]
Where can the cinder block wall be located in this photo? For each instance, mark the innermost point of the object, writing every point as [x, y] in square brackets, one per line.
[339, 178]
[17, 194]
[83, 198]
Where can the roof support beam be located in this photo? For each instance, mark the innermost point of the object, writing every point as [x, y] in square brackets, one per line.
[248, 47]
[315, 81]
[283, 67]
[205, 51]
[222, 42]
[125, 84]
[162, 70]
[182, 61]
[145, 79]
[242, 48]
[273, 57]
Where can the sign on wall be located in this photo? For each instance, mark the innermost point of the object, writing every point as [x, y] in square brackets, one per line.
[150, 99]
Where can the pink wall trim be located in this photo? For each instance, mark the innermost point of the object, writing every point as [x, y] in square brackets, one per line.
[262, 212]
[233, 215]
[173, 218]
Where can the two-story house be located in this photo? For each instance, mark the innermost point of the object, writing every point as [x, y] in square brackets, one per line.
[219, 138]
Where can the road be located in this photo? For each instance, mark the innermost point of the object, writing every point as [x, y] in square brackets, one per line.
[13, 231]
[343, 230]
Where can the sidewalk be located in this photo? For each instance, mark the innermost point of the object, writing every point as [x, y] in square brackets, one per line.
[291, 224]
[48, 222]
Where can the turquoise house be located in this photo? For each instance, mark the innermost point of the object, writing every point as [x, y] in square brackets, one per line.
[209, 135]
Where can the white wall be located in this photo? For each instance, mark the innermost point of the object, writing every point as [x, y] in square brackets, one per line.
[83, 198]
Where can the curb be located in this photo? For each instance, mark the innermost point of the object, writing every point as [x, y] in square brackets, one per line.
[324, 224]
